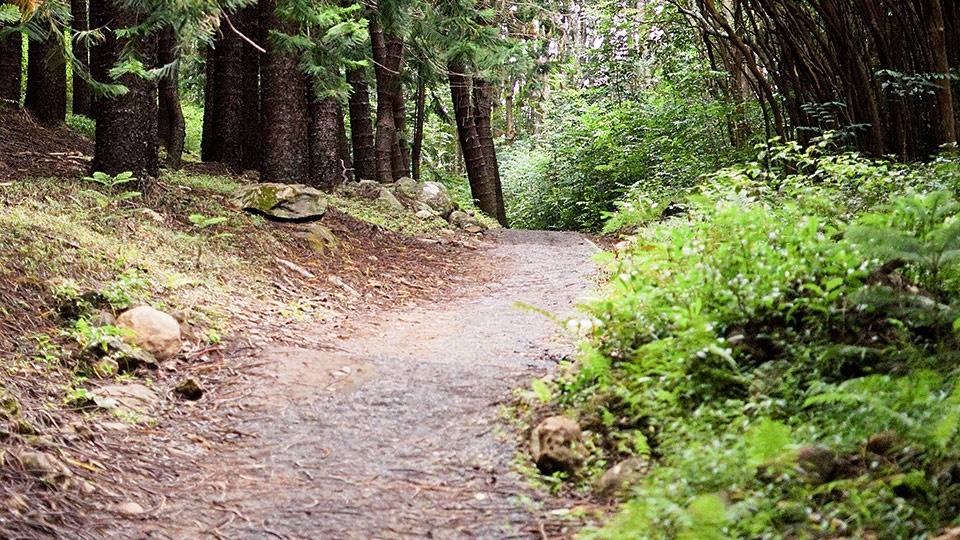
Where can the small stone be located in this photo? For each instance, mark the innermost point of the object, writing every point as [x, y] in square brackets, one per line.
[556, 445]
[388, 200]
[618, 478]
[43, 465]
[135, 398]
[190, 388]
[465, 221]
[106, 368]
[153, 330]
[130, 508]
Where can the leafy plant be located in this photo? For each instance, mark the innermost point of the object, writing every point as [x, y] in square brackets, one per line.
[201, 222]
[111, 183]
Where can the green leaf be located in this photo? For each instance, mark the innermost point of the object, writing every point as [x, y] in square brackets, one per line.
[542, 391]
[708, 517]
[767, 440]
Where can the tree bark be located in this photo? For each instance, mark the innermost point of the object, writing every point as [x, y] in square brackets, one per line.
[250, 124]
[361, 127]
[386, 135]
[46, 95]
[285, 154]
[326, 167]
[401, 151]
[482, 186]
[81, 23]
[226, 145]
[126, 138]
[171, 127]
[420, 114]
[946, 122]
[11, 61]
[483, 108]
[208, 143]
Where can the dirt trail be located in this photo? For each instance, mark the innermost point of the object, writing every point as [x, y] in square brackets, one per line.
[394, 432]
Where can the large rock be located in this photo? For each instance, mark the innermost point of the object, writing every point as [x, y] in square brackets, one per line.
[283, 202]
[406, 188]
[436, 196]
[466, 222]
[388, 200]
[152, 330]
[556, 445]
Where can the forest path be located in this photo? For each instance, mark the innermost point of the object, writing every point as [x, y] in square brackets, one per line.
[394, 432]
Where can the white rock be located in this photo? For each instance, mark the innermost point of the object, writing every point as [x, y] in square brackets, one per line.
[153, 331]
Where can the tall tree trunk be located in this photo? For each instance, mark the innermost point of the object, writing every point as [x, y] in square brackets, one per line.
[226, 145]
[482, 186]
[81, 23]
[386, 136]
[326, 167]
[483, 108]
[361, 127]
[46, 82]
[946, 122]
[420, 114]
[285, 154]
[11, 60]
[170, 124]
[250, 125]
[401, 151]
[208, 142]
[126, 137]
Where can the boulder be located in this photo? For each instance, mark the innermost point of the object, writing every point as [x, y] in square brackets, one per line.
[436, 196]
[466, 222]
[387, 200]
[368, 189]
[556, 445]
[283, 202]
[406, 188]
[152, 330]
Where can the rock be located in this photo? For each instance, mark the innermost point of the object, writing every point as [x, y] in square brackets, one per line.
[154, 331]
[426, 214]
[110, 355]
[387, 200]
[44, 466]
[135, 398]
[618, 478]
[556, 445]
[190, 388]
[9, 405]
[130, 508]
[466, 222]
[436, 196]
[819, 463]
[368, 189]
[883, 443]
[101, 318]
[406, 188]
[284, 202]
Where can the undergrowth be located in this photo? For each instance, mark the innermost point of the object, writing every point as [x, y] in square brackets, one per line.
[783, 354]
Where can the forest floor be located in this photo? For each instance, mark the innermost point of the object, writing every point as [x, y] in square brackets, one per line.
[378, 411]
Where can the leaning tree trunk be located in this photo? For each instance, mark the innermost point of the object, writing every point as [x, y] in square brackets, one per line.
[326, 167]
[11, 60]
[170, 123]
[361, 128]
[482, 186]
[46, 81]
[483, 108]
[81, 23]
[285, 155]
[126, 137]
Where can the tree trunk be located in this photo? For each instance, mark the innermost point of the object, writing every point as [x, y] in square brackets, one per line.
[170, 125]
[326, 167]
[226, 145]
[386, 137]
[126, 137]
[208, 143]
[483, 108]
[481, 186]
[285, 155]
[250, 125]
[361, 128]
[11, 61]
[46, 82]
[81, 23]
[420, 114]
[401, 151]
[945, 124]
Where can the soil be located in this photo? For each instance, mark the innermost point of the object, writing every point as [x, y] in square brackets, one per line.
[390, 431]
[385, 419]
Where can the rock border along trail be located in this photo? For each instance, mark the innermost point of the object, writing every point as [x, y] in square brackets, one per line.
[394, 432]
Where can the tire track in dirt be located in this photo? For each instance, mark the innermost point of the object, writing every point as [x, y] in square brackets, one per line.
[395, 434]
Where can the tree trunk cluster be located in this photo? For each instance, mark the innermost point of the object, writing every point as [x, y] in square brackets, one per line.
[881, 73]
